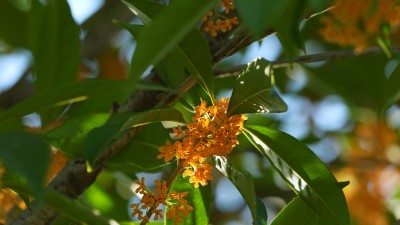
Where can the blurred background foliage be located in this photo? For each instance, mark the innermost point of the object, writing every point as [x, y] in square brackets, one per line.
[340, 108]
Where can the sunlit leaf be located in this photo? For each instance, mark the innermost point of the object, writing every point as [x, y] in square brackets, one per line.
[253, 91]
[168, 28]
[244, 183]
[27, 155]
[303, 171]
[297, 210]
[154, 115]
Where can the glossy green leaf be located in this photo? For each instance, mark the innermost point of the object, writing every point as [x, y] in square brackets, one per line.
[65, 94]
[147, 141]
[27, 155]
[192, 51]
[244, 183]
[297, 210]
[305, 173]
[196, 197]
[154, 115]
[253, 91]
[168, 28]
[70, 136]
[14, 31]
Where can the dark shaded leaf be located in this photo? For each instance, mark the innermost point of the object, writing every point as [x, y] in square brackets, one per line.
[14, 31]
[27, 155]
[54, 41]
[253, 91]
[141, 153]
[98, 138]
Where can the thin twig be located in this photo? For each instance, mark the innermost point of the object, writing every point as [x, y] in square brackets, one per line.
[326, 56]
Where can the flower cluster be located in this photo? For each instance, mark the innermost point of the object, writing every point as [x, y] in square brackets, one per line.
[359, 23]
[150, 202]
[223, 23]
[212, 132]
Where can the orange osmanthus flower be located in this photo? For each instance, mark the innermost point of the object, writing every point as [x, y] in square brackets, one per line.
[150, 202]
[212, 133]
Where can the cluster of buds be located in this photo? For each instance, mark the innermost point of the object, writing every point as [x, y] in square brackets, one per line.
[224, 22]
[212, 133]
[149, 203]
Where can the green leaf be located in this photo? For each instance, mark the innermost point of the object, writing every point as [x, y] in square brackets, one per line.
[360, 80]
[168, 28]
[13, 25]
[289, 32]
[138, 223]
[54, 41]
[73, 209]
[244, 183]
[147, 141]
[253, 91]
[297, 210]
[196, 197]
[391, 89]
[262, 14]
[319, 5]
[27, 155]
[305, 173]
[192, 51]
[65, 94]
[70, 137]
[154, 115]
[144, 9]
[98, 138]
